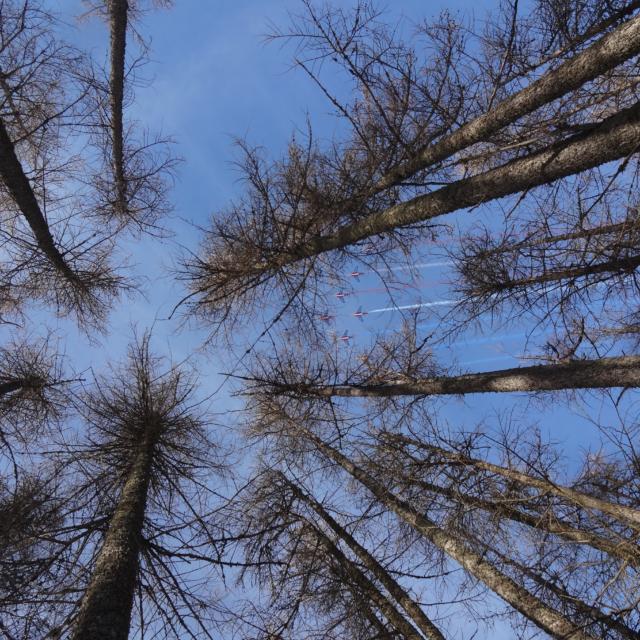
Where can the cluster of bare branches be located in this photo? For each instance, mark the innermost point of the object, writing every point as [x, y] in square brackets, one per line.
[561, 552]
[356, 507]
[148, 465]
[366, 509]
[55, 244]
[436, 128]
[43, 554]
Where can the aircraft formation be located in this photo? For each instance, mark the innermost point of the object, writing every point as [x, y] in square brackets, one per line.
[329, 317]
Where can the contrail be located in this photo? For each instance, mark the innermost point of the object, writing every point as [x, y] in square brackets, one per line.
[422, 305]
[419, 265]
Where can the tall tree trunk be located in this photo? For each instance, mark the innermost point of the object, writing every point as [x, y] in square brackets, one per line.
[352, 572]
[619, 548]
[622, 371]
[118, 35]
[605, 54]
[414, 611]
[20, 189]
[616, 137]
[614, 266]
[105, 612]
[534, 609]
[625, 515]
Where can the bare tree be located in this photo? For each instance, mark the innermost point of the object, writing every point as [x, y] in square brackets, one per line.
[138, 166]
[289, 421]
[47, 253]
[118, 10]
[318, 578]
[619, 371]
[305, 217]
[147, 446]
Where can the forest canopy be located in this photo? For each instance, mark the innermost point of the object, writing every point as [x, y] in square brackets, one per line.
[383, 384]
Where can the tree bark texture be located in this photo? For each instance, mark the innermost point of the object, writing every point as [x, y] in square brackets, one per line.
[105, 612]
[605, 54]
[622, 371]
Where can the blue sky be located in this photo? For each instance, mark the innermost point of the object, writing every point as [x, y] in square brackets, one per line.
[212, 78]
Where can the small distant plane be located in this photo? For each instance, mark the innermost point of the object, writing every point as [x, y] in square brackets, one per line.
[357, 274]
[341, 295]
[345, 337]
[326, 317]
[360, 314]
[370, 247]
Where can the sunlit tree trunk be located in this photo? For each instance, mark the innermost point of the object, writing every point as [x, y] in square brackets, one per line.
[623, 371]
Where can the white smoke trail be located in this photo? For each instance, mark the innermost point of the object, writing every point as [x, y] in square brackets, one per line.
[419, 265]
[421, 305]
